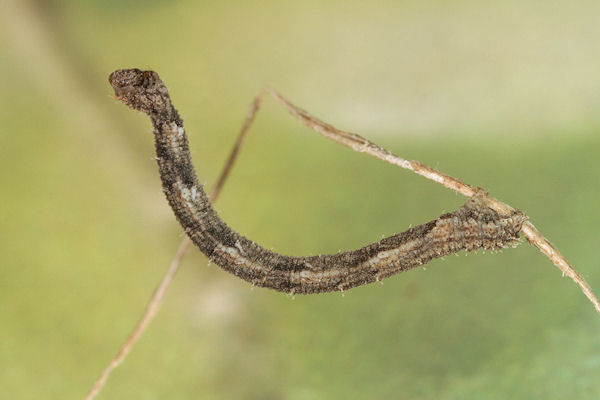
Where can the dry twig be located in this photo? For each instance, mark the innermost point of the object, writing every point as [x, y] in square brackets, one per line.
[360, 144]
[184, 246]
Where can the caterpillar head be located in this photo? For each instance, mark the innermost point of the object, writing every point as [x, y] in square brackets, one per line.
[141, 90]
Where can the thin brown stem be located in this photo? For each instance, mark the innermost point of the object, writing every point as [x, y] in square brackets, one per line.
[156, 299]
[147, 316]
[358, 143]
[254, 107]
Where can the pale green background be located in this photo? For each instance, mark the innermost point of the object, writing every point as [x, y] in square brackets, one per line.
[501, 94]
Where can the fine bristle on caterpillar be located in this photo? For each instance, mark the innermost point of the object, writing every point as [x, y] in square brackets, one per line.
[471, 227]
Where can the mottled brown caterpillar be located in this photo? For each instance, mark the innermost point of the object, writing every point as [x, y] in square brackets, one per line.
[471, 227]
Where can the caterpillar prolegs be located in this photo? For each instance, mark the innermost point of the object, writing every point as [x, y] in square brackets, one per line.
[471, 227]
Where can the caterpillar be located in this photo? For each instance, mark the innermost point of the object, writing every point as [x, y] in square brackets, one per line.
[473, 226]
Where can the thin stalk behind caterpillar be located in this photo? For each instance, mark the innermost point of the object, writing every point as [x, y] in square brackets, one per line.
[471, 227]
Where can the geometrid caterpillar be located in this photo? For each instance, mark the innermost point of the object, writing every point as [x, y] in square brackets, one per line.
[471, 227]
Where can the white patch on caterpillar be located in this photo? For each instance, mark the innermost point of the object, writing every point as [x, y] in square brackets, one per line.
[191, 196]
[239, 246]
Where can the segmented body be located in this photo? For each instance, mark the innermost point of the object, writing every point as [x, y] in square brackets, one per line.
[471, 227]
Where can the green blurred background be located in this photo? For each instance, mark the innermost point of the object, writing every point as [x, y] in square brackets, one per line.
[503, 95]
